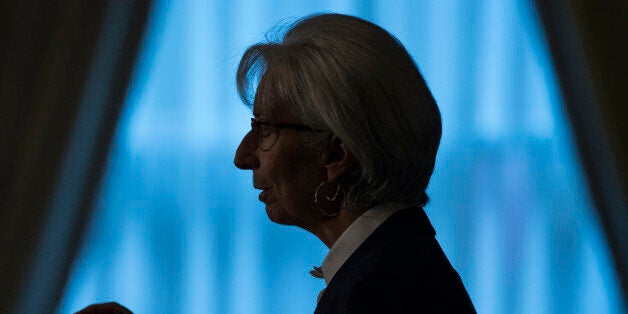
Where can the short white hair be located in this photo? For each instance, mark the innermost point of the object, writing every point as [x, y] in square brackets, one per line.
[349, 76]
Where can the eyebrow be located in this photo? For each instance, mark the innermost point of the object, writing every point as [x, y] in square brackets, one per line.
[258, 115]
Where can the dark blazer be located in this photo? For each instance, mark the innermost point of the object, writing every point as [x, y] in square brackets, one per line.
[400, 268]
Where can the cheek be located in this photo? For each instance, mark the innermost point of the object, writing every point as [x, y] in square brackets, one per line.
[296, 181]
[293, 172]
[301, 185]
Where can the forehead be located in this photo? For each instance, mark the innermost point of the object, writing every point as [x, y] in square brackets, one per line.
[265, 109]
[268, 105]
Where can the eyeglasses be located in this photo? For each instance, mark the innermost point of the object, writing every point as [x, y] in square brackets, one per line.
[266, 133]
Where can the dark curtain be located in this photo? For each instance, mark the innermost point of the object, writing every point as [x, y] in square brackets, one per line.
[589, 44]
[64, 71]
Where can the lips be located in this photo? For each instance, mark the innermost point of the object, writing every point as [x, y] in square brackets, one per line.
[264, 196]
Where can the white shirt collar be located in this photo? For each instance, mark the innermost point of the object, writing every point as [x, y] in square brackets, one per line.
[355, 235]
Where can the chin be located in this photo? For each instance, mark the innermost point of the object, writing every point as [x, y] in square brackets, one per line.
[277, 215]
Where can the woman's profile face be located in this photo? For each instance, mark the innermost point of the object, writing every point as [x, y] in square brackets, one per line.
[287, 173]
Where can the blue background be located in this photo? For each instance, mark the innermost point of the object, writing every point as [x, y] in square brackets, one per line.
[178, 229]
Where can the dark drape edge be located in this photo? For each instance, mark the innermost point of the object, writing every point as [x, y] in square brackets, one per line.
[137, 21]
[45, 60]
[50, 57]
[588, 41]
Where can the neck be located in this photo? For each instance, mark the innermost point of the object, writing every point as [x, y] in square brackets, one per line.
[331, 229]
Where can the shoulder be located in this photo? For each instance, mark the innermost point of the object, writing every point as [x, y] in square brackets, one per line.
[401, 268]
[409, 293]
[398, 291]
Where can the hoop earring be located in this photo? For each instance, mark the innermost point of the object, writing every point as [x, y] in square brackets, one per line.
[328, 198]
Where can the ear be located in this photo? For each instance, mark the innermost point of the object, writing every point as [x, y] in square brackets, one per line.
[337, 159]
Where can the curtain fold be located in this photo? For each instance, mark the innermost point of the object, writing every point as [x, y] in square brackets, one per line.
[588, 40]
[64, 70]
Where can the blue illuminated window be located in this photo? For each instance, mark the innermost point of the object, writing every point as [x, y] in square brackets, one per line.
[178, 229]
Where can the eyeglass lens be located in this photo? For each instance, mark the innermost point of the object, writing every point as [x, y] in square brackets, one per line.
[265, 136]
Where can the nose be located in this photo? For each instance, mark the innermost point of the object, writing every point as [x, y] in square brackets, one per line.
[245, 157]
